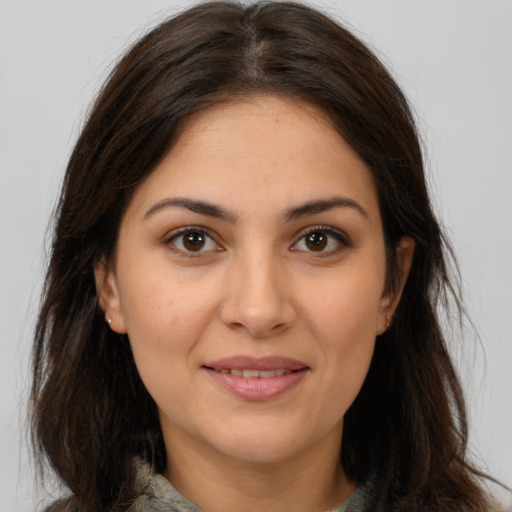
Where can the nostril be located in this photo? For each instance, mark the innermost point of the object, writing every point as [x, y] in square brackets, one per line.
[257, 307]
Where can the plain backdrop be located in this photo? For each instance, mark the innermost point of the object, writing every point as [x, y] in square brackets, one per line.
[453, 58]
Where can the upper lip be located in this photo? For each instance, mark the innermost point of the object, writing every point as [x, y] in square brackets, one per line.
[242, 362]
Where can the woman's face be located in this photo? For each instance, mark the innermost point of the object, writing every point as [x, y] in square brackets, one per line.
[250, 278]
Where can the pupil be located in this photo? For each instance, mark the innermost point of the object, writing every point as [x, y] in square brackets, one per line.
[194, 241]
[316, 241]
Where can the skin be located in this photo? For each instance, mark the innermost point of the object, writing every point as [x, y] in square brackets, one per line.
[255, 287]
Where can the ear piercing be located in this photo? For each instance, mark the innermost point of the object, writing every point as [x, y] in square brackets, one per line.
[388, 321]
[109, 321]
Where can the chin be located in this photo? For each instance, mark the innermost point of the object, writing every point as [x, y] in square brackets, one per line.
[262, 446]
[260, 453]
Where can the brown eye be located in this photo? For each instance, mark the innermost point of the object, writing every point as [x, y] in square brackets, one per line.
[316, 241]
[194, 241]
[322, 240]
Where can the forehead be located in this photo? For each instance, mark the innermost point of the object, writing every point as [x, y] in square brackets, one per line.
[257, 125]
[265, 149]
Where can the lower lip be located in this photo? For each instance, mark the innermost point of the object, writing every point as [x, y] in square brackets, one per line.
[257, 388]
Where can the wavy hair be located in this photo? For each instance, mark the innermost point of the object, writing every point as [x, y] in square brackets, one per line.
[91, 414]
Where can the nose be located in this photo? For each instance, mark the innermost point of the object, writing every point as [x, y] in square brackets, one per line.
[257, 297]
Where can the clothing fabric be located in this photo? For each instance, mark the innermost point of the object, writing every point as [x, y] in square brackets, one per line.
[156, 494]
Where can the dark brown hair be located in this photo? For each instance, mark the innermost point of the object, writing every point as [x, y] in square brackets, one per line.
[91, 412]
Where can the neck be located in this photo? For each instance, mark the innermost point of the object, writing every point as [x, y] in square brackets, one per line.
[311, 481]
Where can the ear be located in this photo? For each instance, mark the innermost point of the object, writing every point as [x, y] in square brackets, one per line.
[391, 298]
[108, 296]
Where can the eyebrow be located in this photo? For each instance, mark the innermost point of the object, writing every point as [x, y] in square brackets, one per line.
[194, 205]
[322, 205]
[212, 210]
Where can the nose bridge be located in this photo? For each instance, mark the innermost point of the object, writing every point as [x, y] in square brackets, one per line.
[257, 297]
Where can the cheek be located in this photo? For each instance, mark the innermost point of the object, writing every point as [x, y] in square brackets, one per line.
[343, 320]
[346, 305]
[162, 331]
[165, 317]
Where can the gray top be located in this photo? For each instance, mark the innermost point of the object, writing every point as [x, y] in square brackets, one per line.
[158, 495]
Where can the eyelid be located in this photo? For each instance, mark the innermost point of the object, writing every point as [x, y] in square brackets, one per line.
[341, 237]
[176, 233]
[168, 237]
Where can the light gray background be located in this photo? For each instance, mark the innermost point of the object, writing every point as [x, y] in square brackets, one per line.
[454, 59]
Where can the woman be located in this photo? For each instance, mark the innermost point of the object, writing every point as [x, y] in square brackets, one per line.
[241, 304]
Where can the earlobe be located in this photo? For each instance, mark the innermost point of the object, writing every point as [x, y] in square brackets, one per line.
[108, 297]
[391, 298]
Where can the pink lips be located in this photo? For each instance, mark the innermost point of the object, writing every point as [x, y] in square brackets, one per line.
[257, 388]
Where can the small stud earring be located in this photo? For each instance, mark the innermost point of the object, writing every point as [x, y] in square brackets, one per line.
[388, 321]
[109, 321]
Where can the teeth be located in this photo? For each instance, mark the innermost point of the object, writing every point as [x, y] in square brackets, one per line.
[254, 374]
[265, 374]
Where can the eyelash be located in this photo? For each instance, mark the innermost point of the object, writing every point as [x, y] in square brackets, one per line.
[180, 233]
[331, 233]
[340, 238]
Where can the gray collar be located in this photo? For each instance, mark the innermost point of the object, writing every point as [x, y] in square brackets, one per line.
[156, 494]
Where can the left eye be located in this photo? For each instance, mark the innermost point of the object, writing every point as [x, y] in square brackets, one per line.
[320, 240]
[193, 241]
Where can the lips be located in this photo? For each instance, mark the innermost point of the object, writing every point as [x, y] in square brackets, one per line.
[254, 374]
[257, 378]
[257, 363]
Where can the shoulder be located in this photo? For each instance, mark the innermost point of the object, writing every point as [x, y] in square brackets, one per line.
[361, 499]
[155, 493]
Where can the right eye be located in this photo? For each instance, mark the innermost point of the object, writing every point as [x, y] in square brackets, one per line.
[321, 240]
[192, 240]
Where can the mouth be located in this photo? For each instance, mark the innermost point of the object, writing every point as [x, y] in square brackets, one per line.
[257, 378]
[241, 363]
[253, 374]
